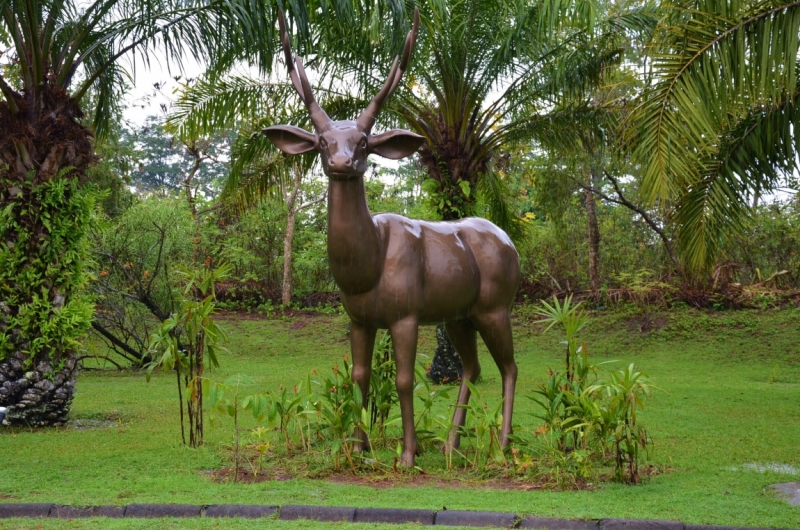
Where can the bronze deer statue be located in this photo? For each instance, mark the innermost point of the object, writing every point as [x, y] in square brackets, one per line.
[396, 273]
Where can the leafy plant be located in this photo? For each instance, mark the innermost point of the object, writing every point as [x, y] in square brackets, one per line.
[573, 319]
[44, 309]
[226, 398]
[383, 392]
[625, 392]
[186, 342]
[583, 416]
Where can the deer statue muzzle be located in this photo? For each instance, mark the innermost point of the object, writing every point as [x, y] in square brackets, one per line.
[396, 273]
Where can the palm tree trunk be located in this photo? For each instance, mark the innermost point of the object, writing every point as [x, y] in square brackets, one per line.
[36, 396]
[594, 239]
[44, 217]
[446, 366]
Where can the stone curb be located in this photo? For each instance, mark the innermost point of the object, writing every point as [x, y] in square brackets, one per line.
[395, 516]
[548, 523]
[75, 512]
[641, 524]
[247, 511]
[464, 518]
[25, 510]
[151, 511]
[292, 512]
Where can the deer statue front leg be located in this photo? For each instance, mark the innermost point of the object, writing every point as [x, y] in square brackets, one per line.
[362, 343]
[404, 338]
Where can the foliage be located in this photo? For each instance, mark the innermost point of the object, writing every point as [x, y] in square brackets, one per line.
[382, 391]
[584, 417]
[554, 257]
[137, 258]
[59, 55]
[226, 398]
[717, 125]
[769, 246]
[491, 75]
[188, 341]
[61, 46]
[163, 162]
[45, 311]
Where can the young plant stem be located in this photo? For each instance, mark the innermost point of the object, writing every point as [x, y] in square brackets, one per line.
[236, 436]
[180, 402]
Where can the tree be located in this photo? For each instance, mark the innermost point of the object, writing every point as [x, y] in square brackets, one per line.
[717, 125]
[165, 163]
[65, 54]
[293, 207]
[493, 74]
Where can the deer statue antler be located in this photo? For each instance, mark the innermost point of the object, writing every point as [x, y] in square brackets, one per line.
[299, 79]
[367, 118]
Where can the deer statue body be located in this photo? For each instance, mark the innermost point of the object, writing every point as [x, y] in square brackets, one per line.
[396, 273]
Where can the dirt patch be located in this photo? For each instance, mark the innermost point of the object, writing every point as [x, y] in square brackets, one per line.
[646, 323]
[385, 480]
[400, 480]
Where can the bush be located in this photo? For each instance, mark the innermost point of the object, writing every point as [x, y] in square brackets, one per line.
[586, 418]
[137, 258]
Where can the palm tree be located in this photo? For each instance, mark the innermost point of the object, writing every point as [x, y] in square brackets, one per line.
[718, 125]
[64, 56]
[491, 75]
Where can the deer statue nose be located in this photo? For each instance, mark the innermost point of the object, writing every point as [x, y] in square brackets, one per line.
[340, 161]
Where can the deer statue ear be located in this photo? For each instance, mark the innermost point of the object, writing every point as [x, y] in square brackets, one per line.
[395, 144]
[291, 140]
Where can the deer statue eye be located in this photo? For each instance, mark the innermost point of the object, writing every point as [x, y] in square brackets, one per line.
[363, 143]
[323, 144]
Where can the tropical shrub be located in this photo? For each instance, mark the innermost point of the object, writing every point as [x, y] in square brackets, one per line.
[587, 418]
[187, 342]
[137, 258]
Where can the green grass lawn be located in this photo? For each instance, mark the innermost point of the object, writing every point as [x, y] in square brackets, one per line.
[731, 396]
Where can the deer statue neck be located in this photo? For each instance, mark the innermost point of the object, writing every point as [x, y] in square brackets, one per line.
[354, 244]
[354, 247]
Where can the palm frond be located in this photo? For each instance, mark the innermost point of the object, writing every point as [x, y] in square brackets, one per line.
[494, 194]
[716, 65]
[751, 160]
[220, 103]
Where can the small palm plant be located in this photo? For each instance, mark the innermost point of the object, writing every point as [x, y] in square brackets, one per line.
[625, 390]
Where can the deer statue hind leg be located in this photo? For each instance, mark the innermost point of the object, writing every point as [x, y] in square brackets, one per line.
[464, 337]
[404, 338]
[362, 343]
[495, 330]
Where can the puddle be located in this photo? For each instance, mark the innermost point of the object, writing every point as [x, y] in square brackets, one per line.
[784, 469]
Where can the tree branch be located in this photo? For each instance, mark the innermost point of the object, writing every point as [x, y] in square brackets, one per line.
[116, 342]
[104, 357]
[622, 201]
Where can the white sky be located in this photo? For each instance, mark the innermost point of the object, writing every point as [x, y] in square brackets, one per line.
[144, 100]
